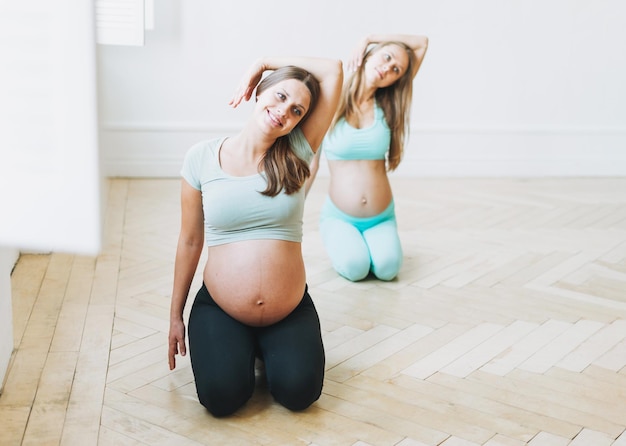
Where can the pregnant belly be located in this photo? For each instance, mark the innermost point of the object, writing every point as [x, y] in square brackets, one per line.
[359, 187]
[257, 282]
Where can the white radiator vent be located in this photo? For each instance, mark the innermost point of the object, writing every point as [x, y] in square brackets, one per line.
[122, 22]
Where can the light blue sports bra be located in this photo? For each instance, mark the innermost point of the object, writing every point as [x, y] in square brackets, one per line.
[345, 142]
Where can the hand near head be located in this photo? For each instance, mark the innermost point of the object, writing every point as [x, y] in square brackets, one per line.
[356, 59]
[248, 83]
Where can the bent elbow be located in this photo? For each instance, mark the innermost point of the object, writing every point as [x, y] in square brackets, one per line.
[191, 243]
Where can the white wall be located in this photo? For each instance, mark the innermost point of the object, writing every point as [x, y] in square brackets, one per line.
[521, 88]
[8, 257]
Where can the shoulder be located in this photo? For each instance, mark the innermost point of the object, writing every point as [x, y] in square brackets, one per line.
[198, 159]
[202, 150]
[203, 147]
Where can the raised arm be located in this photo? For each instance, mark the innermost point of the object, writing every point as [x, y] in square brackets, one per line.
[417, 43]
[328, 72]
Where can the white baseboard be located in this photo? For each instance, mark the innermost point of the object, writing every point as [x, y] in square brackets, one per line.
[157, 150]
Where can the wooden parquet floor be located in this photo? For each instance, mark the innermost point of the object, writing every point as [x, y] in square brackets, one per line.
[505, 327]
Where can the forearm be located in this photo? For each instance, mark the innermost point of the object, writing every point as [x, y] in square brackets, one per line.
[187, 257]
[413, 41]
[328, 72]
[321, 68]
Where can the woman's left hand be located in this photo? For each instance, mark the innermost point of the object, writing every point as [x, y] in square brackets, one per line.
[248, 83]
[356, 59]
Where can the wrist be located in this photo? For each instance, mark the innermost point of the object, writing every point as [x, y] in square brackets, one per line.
[176, 315]
[176, 322]
[263, 65]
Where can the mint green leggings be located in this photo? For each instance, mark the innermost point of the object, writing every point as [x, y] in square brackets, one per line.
[357, 246]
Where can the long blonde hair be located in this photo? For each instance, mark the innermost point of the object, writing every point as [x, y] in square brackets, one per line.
[395, 100]
[283, 168]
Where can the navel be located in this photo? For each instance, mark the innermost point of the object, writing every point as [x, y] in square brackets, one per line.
[259, 302]
[364, 200]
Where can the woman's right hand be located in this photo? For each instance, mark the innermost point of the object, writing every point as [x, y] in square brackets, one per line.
[176, 341]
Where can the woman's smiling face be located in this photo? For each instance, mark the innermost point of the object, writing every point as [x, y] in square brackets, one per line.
[283, 105]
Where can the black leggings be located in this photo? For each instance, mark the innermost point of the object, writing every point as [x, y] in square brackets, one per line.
[223, 351]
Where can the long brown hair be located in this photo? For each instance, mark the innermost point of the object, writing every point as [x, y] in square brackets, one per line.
[395, 100]
[283, 168]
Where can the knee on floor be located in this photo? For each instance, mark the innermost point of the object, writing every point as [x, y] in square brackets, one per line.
[353, 269]
[388, 269]
[296, 394]
[220, 401]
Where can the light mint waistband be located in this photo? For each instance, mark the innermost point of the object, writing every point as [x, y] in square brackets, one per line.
[330, 210]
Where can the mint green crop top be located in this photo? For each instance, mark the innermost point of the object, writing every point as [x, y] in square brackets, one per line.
[345, 142]
[234, 209]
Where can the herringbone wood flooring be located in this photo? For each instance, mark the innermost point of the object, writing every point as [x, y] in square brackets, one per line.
[506, 326]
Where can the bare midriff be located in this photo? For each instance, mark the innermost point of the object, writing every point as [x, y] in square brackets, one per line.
[257, 282]
[359, 188]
